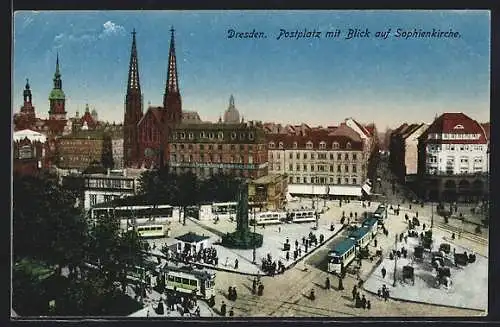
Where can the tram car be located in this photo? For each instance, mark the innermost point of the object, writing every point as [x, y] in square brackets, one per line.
[341, 256]
[372, 224]
[362, 236]
[187, 280]
[380, 213]
[301, 216]
[151, 230]
[268, 218]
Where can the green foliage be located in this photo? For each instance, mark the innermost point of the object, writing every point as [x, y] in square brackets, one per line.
[164, 187]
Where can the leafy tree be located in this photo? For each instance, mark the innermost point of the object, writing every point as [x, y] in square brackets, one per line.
[47, 225]
[107, 151]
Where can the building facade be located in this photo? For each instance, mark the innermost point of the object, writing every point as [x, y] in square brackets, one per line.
[212, 148]
[453, 159]
[403, 147]
[29, 152]
[99, 188]
[80, 149]
[268, 192]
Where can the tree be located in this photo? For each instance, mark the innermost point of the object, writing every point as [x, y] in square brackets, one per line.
[107, 151]
[47, 225]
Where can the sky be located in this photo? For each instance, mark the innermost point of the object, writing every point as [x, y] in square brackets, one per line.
[318, 81]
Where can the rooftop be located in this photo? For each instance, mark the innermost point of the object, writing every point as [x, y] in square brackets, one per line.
[267, 179]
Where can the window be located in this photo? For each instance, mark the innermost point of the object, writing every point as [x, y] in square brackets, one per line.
[312, 156]
[339, 156]
[220, 135]
[339, 181]
[291, 156]
[295, 145]
[335, 145]
[191, 136]
[290, 179]
[331, 156]
[305, 167]
[290, 167]
[331, 168]
[202, 135]
[278, 155]
[242, 136]
[250, 136]
[305, 155]
[25, 152]
[297, 179]
[347, 168]
[459, 126]
[271, 144]
[346, 180]
[339, 169]
[297, 155]
[354, 181]
[190, 158]
[93, 199]
[346, 156]
[280, 145]
[309, 145]
[183, 136]
[270, 155]
[322, 145]
[348, 146]
[354, 156]
[233, 136]
[297, 168]
[305, 180]
[211, 135]
[354, 169]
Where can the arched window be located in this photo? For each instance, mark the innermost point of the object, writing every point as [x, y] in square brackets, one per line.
[250, 136]
[309, 145]
[335, 145]
[322, 145]
[348, 145]
[295, 145]
[220, 135]
[271, 145]
[280, 145]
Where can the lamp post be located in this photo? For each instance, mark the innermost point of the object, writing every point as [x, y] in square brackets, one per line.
[432, 215]
[395, 259]
[253, 236]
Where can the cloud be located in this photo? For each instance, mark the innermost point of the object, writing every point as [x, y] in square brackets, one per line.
[110, 29]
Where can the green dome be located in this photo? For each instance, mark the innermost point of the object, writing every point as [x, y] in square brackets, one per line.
[57, 94]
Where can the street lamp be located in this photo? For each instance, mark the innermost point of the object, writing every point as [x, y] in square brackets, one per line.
[253, 237]
[395, 259]
[432, 215]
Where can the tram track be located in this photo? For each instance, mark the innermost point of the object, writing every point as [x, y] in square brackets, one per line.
[464, 234]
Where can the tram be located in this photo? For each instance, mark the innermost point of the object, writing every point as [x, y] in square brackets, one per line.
[188, 280]
[151, 230]
[268, 218]
[341, 256]
[372, 224]
[380, 213]
[224, 208]
[301, 216]
[362, 236]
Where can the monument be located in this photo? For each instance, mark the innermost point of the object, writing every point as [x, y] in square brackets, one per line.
[242, 238]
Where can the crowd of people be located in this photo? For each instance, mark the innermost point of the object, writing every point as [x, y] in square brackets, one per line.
[205, 255]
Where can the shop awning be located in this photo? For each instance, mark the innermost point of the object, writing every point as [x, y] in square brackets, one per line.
[305, 189]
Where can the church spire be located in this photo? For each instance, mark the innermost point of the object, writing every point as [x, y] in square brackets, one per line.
[172, 85]
[27, 92]
[57, 75]
[133, 70]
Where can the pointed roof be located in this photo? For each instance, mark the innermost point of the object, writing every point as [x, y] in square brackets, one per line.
[133, 82]
[57, 92]
[455, 123]
[172, 85]
[30, 135]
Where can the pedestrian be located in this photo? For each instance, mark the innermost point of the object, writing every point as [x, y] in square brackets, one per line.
[223, 309]
[354, 292]
[296, 244]
[379, 293]
[327, 283]
[363, 302]
[236, 263]
[231, 312]
[235, 295]
[287, 255]
[423, 226]
[384, 272]
[375, 242]
[368, 305]
[279, 229]
[230, 293]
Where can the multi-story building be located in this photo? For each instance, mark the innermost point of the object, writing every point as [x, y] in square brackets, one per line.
[104, 187]
[403, 147]
[29, 150]
[211, 148]
[80, 149]
[333, 156]
[268, 192]
[453, 159]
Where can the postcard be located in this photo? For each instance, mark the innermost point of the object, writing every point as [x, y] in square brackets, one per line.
[241, 164]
